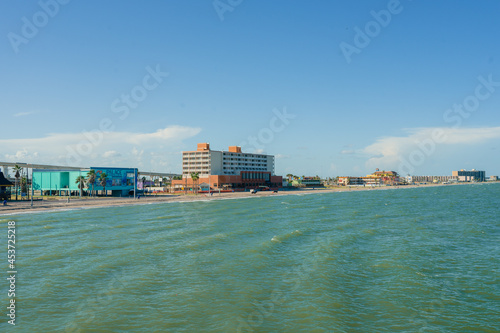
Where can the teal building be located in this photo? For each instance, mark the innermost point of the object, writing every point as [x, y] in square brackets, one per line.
[120, 181]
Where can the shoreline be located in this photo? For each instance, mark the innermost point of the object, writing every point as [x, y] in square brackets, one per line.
[24, 207]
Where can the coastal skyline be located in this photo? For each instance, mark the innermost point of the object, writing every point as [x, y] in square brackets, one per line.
[332, 89]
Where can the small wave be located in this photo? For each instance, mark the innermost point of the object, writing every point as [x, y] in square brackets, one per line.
[166, 217]
[284, 237]
[50, 257]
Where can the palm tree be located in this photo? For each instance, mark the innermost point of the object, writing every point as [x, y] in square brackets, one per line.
[80, 180]
[143, 180]
[17, 168]
[91, 178]
[195, 176]
[102, 180]
[24, 184]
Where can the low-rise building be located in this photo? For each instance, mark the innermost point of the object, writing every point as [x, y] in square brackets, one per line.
[347, 180]
[431, 179]
[375, 179]
[5, 187]
[119, 181]
[307, 182]
[386, 177]
[358, 181]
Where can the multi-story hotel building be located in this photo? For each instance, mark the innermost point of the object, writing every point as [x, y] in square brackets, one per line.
[212, 162]
[469, 176]
[232, 169]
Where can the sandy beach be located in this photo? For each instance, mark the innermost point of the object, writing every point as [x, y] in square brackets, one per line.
[22, 207]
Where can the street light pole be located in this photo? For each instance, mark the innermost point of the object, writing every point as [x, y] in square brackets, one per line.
[80, 184]
[135, 181]
[32, 186]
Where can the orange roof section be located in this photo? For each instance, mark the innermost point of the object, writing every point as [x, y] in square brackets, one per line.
[203, 146]
[234, 149]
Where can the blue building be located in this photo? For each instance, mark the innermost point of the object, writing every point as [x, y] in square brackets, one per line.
[119, 181]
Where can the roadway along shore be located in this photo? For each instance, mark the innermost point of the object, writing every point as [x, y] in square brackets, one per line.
[22, 207]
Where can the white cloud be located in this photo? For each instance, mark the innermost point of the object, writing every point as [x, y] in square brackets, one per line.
[169, 133]
[127, 149]
[20, 155]
[111, 153]
[24, 114]
[388, 152]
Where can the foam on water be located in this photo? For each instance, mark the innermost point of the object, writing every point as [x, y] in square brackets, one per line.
[284, 237]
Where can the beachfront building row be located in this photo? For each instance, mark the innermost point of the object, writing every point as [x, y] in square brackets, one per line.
[456, 176]
[119, 181]
[226, 170]
[430, 179]
[392, 178]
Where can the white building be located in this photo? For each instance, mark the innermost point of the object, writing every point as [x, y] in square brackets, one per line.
[213, 162]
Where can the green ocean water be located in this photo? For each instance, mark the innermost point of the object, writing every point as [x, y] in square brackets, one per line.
[409, 260]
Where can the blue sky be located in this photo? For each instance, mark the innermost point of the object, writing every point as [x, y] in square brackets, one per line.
[236, 67]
